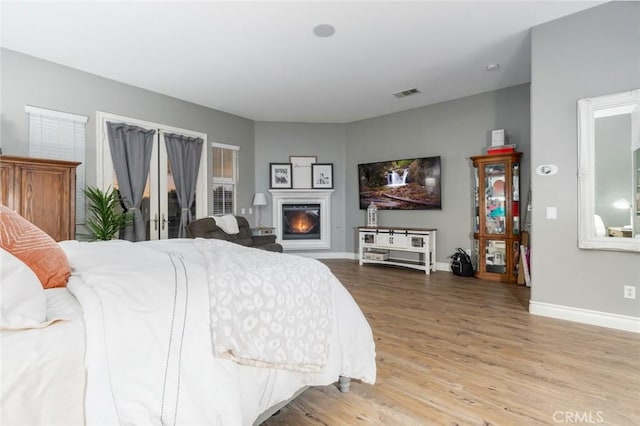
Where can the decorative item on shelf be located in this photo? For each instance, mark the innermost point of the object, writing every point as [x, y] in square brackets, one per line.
[501, 149]
[259, 200]
[301, 172]
[322, 176]
[280, 176]
[497, 137]
[372, 215]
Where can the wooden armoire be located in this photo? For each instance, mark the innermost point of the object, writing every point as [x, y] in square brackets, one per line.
[42, 191]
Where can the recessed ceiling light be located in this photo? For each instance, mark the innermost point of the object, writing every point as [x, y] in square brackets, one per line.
[324, 30]
[492, 67]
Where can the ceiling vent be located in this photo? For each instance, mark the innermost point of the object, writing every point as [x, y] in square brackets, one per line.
[405, 93]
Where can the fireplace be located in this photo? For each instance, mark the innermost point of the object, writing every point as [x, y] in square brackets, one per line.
[301, 221]
[302, 218]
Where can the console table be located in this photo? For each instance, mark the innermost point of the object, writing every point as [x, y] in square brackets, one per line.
[408, 247]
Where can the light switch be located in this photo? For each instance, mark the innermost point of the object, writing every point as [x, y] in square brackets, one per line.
[552, 213]
[242, 210]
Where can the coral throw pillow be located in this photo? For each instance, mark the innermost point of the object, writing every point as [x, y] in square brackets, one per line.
[34, 247]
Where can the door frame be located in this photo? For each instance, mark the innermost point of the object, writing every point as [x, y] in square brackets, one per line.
[104, 163]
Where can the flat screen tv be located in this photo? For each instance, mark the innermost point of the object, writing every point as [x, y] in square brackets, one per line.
[411, 184]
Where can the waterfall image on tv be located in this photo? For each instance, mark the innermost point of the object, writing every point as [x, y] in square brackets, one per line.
[412, 184]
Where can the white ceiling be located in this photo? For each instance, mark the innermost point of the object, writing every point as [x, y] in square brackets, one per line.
[260, 60]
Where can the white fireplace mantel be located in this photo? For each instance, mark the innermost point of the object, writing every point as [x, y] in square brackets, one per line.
[302, 196]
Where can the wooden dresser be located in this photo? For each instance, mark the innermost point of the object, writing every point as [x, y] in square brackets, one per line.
[42, 191]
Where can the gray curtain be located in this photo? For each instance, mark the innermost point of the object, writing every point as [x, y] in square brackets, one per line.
[184, 158]
[131, 153]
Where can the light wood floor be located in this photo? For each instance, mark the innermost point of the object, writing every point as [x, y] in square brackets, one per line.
[461, 351]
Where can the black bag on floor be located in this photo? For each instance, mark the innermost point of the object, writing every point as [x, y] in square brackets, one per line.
[461, 263]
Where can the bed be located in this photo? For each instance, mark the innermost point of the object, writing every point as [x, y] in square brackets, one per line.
[186, 331]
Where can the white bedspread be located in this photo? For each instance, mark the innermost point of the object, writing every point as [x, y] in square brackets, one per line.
[149, 353]
[149, 356]
[42, 370]
[268, 309]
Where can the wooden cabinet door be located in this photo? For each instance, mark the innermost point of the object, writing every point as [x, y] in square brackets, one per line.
[44, 199]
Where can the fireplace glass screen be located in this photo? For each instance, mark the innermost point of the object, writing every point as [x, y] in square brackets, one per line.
[301, 222]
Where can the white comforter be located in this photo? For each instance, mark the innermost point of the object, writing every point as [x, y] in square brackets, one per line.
[149, 350]
[42, 369]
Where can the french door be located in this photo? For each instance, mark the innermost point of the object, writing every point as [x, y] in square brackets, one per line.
[160, 208]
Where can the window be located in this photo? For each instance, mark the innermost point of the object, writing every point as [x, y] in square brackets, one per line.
[60, 136]
[225, 178]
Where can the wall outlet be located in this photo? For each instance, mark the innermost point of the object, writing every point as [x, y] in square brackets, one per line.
[250, 210]
[242, 211]
[629, 292]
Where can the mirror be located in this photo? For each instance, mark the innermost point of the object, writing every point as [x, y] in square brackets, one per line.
[609, 172]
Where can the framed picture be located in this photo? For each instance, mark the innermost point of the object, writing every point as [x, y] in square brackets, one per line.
[280, 175]
[302, 170]
[322, 176]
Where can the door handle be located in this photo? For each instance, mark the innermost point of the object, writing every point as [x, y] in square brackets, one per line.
[155, 222]
[164, 221]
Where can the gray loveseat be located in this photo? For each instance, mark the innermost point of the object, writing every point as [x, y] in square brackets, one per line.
[206, 228]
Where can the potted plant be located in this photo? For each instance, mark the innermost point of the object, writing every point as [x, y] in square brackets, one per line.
[105, 217]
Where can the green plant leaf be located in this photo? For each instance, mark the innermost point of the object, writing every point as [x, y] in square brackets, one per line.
[104, 219]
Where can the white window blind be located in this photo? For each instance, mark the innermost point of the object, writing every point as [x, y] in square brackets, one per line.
[225, 178]
[60, 136]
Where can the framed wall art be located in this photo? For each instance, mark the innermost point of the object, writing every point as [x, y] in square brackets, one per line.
[280, 175]
[301, 170]
[322, 176]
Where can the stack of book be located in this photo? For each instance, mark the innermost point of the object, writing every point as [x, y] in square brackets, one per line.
[501, 149]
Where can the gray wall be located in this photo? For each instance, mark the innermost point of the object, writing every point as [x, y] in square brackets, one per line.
[275, 142]
[454, 130]
[592, 53]
[26, 80]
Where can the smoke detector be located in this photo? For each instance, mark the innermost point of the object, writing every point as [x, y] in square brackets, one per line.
[405, 93]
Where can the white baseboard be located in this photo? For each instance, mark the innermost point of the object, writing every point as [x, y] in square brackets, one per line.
[586, 316]
[443, 266]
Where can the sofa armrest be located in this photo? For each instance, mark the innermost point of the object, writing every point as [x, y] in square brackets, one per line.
[260, 240]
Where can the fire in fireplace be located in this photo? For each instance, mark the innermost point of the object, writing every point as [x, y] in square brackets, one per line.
[301, 221]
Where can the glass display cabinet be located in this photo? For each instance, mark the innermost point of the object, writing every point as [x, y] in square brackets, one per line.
[496, 228]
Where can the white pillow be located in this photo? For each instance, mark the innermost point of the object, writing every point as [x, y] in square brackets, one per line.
[23, 303]
[228, 223]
